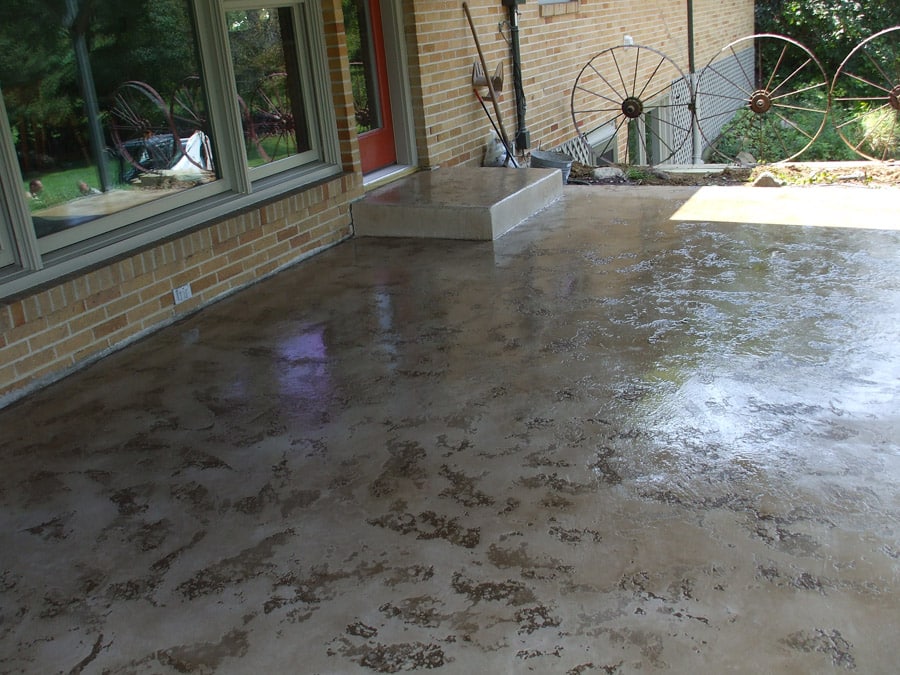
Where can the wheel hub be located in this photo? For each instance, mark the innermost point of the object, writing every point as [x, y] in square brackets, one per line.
[760, 101]
[895, 97]
[632, 107]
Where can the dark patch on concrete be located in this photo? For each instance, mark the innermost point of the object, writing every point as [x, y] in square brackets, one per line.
[256, 503]
[830, 643]
[403, 464]
[429, 525]
[535, 618]
[420, 611]
[574, 535]
[55, 528]
[249, 563]
[603, 466]
[359, 629]
[555, 482]
[462, 489]
[126, 501]
[197, 459]
[408, 575]
[151, 536]
[402, 656]
[513, 592]
[205, 657]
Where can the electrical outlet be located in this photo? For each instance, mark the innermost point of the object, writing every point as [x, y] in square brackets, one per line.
[182, 293]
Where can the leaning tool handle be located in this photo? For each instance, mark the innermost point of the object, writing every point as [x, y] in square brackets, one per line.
[490, 85]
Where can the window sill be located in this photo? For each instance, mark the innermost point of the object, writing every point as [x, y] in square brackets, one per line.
[82, 257]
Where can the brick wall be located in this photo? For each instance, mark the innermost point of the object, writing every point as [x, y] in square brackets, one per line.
[556, 42]
[46, 334]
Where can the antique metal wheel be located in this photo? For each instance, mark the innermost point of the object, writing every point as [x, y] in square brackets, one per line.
[762, 98]
[142, 128]
[631, 105]
[865, 97]
[272, 124]
[189, 114]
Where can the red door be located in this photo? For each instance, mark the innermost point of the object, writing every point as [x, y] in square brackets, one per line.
[371, 96]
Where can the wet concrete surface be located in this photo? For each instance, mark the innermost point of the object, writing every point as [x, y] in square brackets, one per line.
[607, 442]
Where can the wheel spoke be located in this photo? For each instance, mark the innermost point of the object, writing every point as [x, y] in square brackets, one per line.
[637, 58]
[737, 86]
[878, 67]
[607, 83]
[598, 95]
[799, 107]
[862, 79]
[791, 76]
[650, 79]
[750, 80]
[619, 70]
[775, 69]
[811, 87]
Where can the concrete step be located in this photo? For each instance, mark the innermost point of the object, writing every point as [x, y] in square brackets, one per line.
[480, 203]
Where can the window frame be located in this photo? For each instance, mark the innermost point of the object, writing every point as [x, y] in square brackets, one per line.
[306, 83]
[27, 262]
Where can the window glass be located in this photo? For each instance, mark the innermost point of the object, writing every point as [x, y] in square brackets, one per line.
[358, 31]
[264, 52]
[106, 105]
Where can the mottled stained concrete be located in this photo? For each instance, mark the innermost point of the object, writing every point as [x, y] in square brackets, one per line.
[605, 443]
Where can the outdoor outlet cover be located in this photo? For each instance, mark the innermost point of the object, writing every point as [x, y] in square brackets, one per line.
[182, 293]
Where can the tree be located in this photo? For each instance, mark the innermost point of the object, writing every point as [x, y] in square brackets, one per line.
[829, 28]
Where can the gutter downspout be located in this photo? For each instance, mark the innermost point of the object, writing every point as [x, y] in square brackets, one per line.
[523, 137]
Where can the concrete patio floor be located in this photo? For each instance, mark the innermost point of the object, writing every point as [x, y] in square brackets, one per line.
[607, 442]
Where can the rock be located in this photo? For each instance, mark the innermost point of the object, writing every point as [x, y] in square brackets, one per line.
[744, 158]
[608, 172]
[767, 179]
[856, 175]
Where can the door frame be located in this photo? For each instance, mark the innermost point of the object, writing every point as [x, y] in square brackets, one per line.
[398, 86]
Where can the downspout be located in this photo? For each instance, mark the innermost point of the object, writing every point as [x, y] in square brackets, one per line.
[696, 143]
[523, 137]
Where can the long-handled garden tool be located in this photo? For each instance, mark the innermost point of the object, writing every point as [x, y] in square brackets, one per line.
[479, 76]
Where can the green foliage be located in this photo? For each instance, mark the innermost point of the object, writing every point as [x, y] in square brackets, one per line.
[742, 134]
[256, 46]
[829, 28]
[147, 40]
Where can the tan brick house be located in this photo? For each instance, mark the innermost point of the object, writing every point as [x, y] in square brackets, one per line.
[184, 149]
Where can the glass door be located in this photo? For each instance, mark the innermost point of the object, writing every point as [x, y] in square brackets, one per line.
[368, 72]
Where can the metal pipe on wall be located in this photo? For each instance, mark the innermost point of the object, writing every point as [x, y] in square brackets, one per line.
[523, 137]
[696, 143]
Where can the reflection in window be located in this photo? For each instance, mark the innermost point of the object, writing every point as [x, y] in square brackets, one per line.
[358, 30]
[106, 105]
[267, 74]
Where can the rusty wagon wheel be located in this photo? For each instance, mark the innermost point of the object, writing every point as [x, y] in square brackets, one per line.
[865, 97]
[142, 128]
[271, 120]
[631, 105]
[188, 107]
[189, 114]
[765, 96]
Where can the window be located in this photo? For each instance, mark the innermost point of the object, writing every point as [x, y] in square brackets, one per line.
[271, 85]
[125, 119]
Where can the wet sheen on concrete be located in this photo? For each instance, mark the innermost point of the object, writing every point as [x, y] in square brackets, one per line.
[607, 442]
